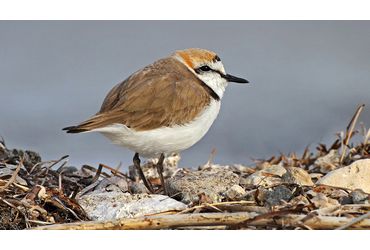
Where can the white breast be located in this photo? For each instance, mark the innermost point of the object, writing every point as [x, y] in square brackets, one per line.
[166, 140]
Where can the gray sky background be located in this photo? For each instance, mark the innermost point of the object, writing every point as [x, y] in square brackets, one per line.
[307, 78]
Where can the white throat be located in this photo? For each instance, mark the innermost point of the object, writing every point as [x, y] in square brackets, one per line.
[215, 82]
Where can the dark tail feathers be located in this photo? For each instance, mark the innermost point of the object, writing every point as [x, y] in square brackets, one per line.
[74, 129]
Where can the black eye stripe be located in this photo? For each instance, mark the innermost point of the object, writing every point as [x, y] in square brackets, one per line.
[206, 68]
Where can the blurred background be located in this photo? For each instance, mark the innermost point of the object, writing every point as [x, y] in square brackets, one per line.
[306, 80]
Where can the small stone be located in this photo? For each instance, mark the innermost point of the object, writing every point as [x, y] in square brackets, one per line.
[266, 177]
[316, 176]
[236, 168]
[260, 179]
[188, 186]
[138, 188]
[297, 176]
[277, 170]
[241, 168]
[299, 200]
[322, 201]
[114, 183]
[328, 162]
[338, 194]
[359, 197]
[354, 176]
[234, 193]
[345, 200]
[310, 193]
[116, 205]
[29, 158]
[21, 181]
[8, 170]
[277, 195]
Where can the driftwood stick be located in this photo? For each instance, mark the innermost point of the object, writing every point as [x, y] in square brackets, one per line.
[211, 219]
[317, 222]
[158, 222]
[354, 221]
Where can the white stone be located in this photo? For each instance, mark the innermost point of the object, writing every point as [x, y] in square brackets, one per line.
[115, 205]
[354, 176]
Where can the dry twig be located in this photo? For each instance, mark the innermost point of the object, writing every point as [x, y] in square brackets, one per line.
[14, 176]
[349, 130]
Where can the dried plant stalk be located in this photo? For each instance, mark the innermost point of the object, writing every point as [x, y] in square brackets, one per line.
[349, 130]
[211, 219]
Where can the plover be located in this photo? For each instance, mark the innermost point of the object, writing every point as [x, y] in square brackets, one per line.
[164, 108]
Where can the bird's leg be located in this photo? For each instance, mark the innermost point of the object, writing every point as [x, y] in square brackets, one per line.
[159, 167]
[136, 161]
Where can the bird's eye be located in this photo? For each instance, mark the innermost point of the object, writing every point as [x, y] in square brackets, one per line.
[205, 68]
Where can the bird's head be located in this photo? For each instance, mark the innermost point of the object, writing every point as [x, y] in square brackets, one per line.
[207, 66]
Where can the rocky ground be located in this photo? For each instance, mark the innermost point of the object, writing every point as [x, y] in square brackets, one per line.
[325, 189]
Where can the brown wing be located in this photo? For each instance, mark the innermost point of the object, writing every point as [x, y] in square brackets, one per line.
[151, 98]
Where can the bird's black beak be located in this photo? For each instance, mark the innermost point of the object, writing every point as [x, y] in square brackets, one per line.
[231, 78]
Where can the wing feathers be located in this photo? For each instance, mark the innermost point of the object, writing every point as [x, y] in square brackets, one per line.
[151, 98]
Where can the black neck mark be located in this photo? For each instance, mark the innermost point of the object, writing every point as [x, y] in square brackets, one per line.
[210, 91]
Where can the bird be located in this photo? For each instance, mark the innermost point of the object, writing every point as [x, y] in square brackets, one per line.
[163, 108]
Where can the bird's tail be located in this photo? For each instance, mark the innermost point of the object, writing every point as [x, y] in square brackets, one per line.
[94, 122]
[80, 128]
[75, 129]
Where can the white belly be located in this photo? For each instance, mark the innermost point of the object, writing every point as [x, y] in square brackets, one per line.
[163, 140]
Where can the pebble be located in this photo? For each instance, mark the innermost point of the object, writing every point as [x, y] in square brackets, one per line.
[189, 186]
[8, 170]
[273, 169]
[322, 201]
[328, 162]
[299, 176]
[278, 194]
[266, 177]
[235, 193]
[236, 168]
[113, 183]
[359, 197]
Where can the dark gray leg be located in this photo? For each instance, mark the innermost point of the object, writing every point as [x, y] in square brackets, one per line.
[159, 166]
[136, 161]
